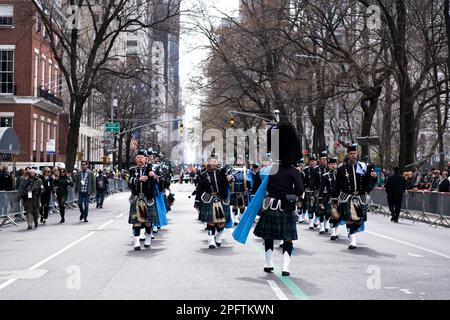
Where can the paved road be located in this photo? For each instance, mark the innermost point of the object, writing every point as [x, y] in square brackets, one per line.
[96, 261]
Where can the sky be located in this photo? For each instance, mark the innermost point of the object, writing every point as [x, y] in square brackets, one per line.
[191, 51]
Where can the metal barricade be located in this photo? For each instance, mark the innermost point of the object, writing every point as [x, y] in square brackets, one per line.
[442, 201]
[405, 212]
[420, 196]
[10, 206]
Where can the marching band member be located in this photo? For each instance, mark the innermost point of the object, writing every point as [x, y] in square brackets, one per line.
[239, 186]
[309, 183]
[327, 186]
[284, 187]
[301, 204]
[319, 172]
[354, 180]
[212, 199]
[142, 204]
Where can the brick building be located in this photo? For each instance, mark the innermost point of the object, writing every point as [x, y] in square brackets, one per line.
[30, 84]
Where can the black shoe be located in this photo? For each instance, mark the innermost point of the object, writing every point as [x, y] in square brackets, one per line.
[42, 219]
[35, 225]
[315, 226]
[86, 220]
[101, 207]
[29, 228]
[333, 238]
[236, 223]
[268, 270]
[326, 230]
[321, 232]
[137, 248]
[285, 274]
[212, 246]
[311, 228]
[392, 218]
[62, 220]
[81, 217]
[218, 244]
[395, 220]
[142, 240]
[352, 247]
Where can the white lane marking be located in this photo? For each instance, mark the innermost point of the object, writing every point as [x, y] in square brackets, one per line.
[277, 290]
[37, 265]
[414, 255]
[391, 288]
[53, 256]
[409, 244]
[406, 291]
[7, 283]
[104, 225]
[120, 216]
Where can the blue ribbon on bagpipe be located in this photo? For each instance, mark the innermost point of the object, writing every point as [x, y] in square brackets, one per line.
[160, 208]
[241, 232]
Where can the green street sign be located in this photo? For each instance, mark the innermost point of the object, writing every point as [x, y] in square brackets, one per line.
[112, 127]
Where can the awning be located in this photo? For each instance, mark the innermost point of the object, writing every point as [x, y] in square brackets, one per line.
[9, 141]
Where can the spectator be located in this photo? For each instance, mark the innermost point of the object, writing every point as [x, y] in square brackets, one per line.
[6, 181]
[435, 180]
[85, 187]
[62, 184]
[31, 197]
[19, 179]
[417, 177]
[101, 184]
[192, 175]
[47, 182]
[444, 185]
[410, 181]
[395, 188]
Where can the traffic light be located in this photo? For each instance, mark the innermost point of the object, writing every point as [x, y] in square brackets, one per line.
[232, 121]
[181, 127]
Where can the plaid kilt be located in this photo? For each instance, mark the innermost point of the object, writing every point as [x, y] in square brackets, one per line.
[234, 200]
[151, 214]
[277, 225]
[206, 212]
[344, 210]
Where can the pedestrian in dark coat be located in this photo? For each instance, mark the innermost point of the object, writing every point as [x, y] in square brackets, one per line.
[395, 188]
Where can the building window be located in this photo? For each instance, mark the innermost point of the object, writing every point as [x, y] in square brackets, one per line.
[43, 74]
[56, 81]
[132, 43]
[36, 74]
[37, 24]
[6, 122]
[6, 15]
[6, 71]
[50, 76]
[42, 137]
[34, 135]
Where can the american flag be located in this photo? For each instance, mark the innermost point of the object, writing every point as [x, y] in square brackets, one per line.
[135, 140]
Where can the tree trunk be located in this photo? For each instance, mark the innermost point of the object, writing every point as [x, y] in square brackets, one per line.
[119, 152]
[128, 151]
[300, 130]
[369, 113]
[319, 129]
[386, 141]
[74, 131]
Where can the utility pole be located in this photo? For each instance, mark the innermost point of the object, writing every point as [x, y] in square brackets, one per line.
[113, 105]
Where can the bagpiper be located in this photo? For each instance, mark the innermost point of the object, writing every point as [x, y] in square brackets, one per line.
[309, 182]
[284, 187]
[327, 186]
[142, 205]
[354, 180]
[320, 171]
[239, 187]
[213, 200]
[301, 204]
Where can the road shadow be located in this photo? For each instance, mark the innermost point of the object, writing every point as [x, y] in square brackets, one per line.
[221, 251]
[144, 253]
[310, 289]
[368, 252]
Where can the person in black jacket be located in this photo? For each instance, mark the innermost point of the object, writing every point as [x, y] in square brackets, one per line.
[278, 219]
[101, 185]
[46, 195]
[395, 187]
[444, 185]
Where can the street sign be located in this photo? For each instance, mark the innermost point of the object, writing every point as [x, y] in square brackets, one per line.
[112, 127]
[111, 150]
[51, 146]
